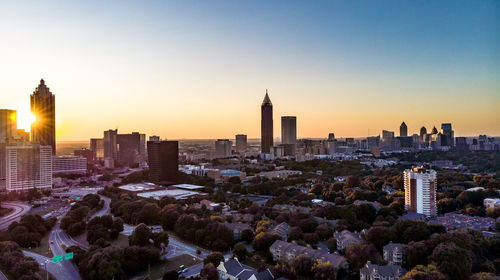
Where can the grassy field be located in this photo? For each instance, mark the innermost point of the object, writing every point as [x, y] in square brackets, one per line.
[160, 268]
[43, 248]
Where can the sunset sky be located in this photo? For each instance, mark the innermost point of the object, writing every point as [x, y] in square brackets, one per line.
[199, 69]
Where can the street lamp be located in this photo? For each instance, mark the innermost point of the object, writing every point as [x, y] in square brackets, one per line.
[45, 267]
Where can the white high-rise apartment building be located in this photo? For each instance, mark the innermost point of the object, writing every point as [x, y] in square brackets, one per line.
[420, 191]
[28, 166]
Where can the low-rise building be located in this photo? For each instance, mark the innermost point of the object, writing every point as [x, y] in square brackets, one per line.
[280, 174]
[287, 252]
[237, 228]
[69, 164]
[393, 253]
[345, 237]
[282, 230]
[234, 270]
[491, 202]
[381, 272]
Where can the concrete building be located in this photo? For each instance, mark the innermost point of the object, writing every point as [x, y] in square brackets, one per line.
[69, 164]
[8, 125]
[241, 143]
[223, 148]
[266, 125]
[288, 130]
[43, 106]
[86, 153]
[163, 160]
[131, 148]
[420, 191]
[28, 166]
[345, 237]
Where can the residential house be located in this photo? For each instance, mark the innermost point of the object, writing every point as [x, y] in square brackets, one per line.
[381, 272]
[345, 237]
[393, 253]
[282, 230]
[234, 270]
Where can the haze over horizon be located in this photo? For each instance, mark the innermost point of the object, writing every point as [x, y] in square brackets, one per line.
[199, 70]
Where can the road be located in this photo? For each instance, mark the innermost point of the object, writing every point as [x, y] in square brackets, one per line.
[59, 270]
[19, 210]
[105, 208]
[57, 239]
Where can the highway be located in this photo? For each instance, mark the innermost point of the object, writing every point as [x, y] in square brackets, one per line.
[59, 270]
[57, 239]
[20, 209]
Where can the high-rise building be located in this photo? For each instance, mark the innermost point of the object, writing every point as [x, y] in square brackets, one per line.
[423, 133]
[163, 161]
[266, 125]
[131, 148]
[288, 130]
[110, 144]
[331, 136]
[241, 143]
[8, 125]
[403, 130]
[154, 138]
[420, 191]
[69, 164]
[28, 166]
[43, 106]
[97, 148]
[223, 148]
[448, 135]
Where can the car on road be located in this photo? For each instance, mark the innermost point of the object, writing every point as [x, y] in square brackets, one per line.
[51, 242]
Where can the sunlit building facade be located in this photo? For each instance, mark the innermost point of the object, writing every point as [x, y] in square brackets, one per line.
[420, 191]
[43, 106]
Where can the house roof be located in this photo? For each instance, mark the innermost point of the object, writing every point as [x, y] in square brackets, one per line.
[335, 259]
[390, 270]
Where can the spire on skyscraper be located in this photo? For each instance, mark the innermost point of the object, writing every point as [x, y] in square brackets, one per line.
[267, 100]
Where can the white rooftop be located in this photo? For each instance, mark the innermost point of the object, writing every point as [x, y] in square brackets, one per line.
[188, 186]
[174, 193]
[138, 187]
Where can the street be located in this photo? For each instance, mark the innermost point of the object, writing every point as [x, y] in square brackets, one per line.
[19, 210]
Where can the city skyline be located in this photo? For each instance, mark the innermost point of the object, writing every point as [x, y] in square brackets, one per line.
[199, 72]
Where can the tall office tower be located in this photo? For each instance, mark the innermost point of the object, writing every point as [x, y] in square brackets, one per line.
[163, 160]
[331, 136]
[154, 138]
[8, 125]
[266, 125]
[223, 148]
[97, 148]
[43, 106]
[403, 130]
[388, 140]
[241, 142]
[131, 148]
[29, 166]
[434, 130]
[110, 144]
[423, 132]
[288, 130]
[448, 135]
[420, 191]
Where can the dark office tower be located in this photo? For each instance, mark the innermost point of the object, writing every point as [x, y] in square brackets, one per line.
[331, 136]
[131, 148]
[449, 135]
[288, 130]
[266, 125]
[43, 106]
[423, 132]
[241, 142]
[403, 130]
[8, 125]
[110, 144]
[163, 160]
[434, 130]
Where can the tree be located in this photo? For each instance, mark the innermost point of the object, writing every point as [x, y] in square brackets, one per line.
[325, 271]
[303, 265]
[240, 251]
[453, 260]
[380, 236]
[359, 253]
[264, 240]
[247, 235]
[483, 276]
[214, 258]
[171, 275]
[209, 272]
[421, 272]
[280, 270]
[332, 244]
[140, 236]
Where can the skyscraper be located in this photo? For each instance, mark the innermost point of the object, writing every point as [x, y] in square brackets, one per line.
[131, 148]
[110, 144]
[266, 124]
[448, 137]
[241, 143]
[8, 125]
[403, 130]
[288, 130]
[420, 191]
[163, 160]
[223, 148]
[43, 106]
[423, 132]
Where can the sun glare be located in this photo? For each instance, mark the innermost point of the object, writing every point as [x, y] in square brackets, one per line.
[25, 119]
